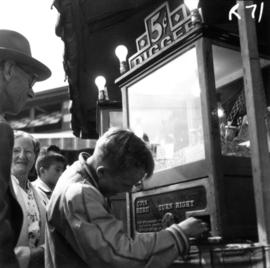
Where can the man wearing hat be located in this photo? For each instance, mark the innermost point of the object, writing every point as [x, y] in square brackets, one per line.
[18, 73]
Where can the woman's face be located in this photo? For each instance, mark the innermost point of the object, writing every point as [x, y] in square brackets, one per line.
[23, 157]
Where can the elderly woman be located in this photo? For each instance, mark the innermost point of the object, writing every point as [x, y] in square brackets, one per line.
[29, 249]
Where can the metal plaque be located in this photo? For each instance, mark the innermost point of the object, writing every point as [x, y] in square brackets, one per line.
[150, 210]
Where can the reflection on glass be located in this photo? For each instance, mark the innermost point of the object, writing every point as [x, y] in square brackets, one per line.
[116, 119]
[165, 110]
[228, 65]
[230, 88]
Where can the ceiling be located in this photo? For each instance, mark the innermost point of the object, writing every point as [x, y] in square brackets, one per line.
[92, 29]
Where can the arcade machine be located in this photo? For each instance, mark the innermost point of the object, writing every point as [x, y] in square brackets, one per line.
[176, 94]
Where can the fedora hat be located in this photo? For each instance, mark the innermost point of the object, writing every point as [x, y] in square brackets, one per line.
[14, 46]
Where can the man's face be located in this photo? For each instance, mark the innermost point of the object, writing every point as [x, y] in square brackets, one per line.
[111, 183]
[51, 175]
[18, 90]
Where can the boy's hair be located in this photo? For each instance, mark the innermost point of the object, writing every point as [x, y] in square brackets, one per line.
[54, 148]
[121, 149]
[47, 158]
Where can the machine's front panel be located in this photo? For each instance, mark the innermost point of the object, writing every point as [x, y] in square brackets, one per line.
[156, 209]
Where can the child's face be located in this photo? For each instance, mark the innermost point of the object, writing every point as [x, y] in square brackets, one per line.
[52, 174]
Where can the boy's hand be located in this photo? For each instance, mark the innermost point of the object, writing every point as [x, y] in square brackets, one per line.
[193, 227]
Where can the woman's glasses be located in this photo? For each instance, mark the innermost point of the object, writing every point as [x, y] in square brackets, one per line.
[19, 150]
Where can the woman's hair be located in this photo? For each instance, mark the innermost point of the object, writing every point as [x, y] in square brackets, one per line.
[121, 149]
[23, 134]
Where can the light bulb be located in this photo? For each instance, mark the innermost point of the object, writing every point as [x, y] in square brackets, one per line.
[220, 111]
[100, 82]
[121, 53]
[191, 4]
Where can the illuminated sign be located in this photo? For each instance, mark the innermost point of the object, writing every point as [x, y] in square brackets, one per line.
[163, 28]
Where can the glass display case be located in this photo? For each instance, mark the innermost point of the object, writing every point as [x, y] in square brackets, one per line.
[186, 101]
[155, 104]
[229, 84]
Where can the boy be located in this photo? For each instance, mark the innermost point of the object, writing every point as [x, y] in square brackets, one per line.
[81, 231]
[49, 166]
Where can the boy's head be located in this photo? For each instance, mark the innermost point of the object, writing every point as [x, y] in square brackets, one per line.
[120, 160]
[49, 166]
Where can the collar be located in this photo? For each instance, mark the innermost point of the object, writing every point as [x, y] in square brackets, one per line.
[16, 180]
[42, 185]
[82, 158]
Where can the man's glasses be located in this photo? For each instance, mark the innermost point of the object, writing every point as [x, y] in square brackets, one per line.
[32, 79]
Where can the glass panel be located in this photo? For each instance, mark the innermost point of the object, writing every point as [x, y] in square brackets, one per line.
[231, 101]
[165, 110]
[116, 119]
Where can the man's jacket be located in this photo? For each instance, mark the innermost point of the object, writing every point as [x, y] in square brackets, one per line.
[81, 231]
[10, 212]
